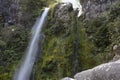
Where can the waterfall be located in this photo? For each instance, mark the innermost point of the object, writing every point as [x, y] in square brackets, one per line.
[76, 5]
[26, 67]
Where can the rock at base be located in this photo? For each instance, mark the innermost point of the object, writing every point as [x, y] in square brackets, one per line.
[67, 78]
[107, 71]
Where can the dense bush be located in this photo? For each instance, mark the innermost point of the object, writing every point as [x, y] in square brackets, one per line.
[13, 42]
[104, 32]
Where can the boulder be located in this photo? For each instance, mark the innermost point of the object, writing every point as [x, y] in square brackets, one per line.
[67, 78]
[107, 71]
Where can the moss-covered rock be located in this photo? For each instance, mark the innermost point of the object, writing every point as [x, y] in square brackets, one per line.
[66, 48]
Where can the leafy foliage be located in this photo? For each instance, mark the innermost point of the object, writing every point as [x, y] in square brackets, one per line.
[12, 46]
[103, 31]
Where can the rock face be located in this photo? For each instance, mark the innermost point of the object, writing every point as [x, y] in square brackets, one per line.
[63, 11]
[9, 11]
[62, 17]
[92, 8]
[116, 52]
[108, 71]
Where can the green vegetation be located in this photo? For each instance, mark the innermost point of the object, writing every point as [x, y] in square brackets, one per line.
[31, 9]
[12, 47]
[104, 31]
[95, 37]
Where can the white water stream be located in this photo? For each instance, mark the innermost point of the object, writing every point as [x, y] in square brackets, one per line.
[26, 67]
[76, 4]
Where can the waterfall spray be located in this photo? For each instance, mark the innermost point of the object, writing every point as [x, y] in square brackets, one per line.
[76, 5]
[26, 67]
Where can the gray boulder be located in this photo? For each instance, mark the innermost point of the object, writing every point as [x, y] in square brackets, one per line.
[67, 78]
[107, 71]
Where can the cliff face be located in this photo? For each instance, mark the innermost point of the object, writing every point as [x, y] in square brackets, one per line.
[66, 49]
[58, 46]
[92, 8]
[9, 11]
[69, 46]
[104, 32]
[63, 11]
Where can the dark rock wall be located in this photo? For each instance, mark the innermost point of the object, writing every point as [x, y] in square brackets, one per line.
[9, 10]
[92, 8]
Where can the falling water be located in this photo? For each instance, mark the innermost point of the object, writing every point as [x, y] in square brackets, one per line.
[76, 5]
[26, 67]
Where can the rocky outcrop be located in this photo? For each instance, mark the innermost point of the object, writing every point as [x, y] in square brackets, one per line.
[62, 17]
[108, 71]
[9, 11]
[63, 12]
[116, 52]
[92, 8]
